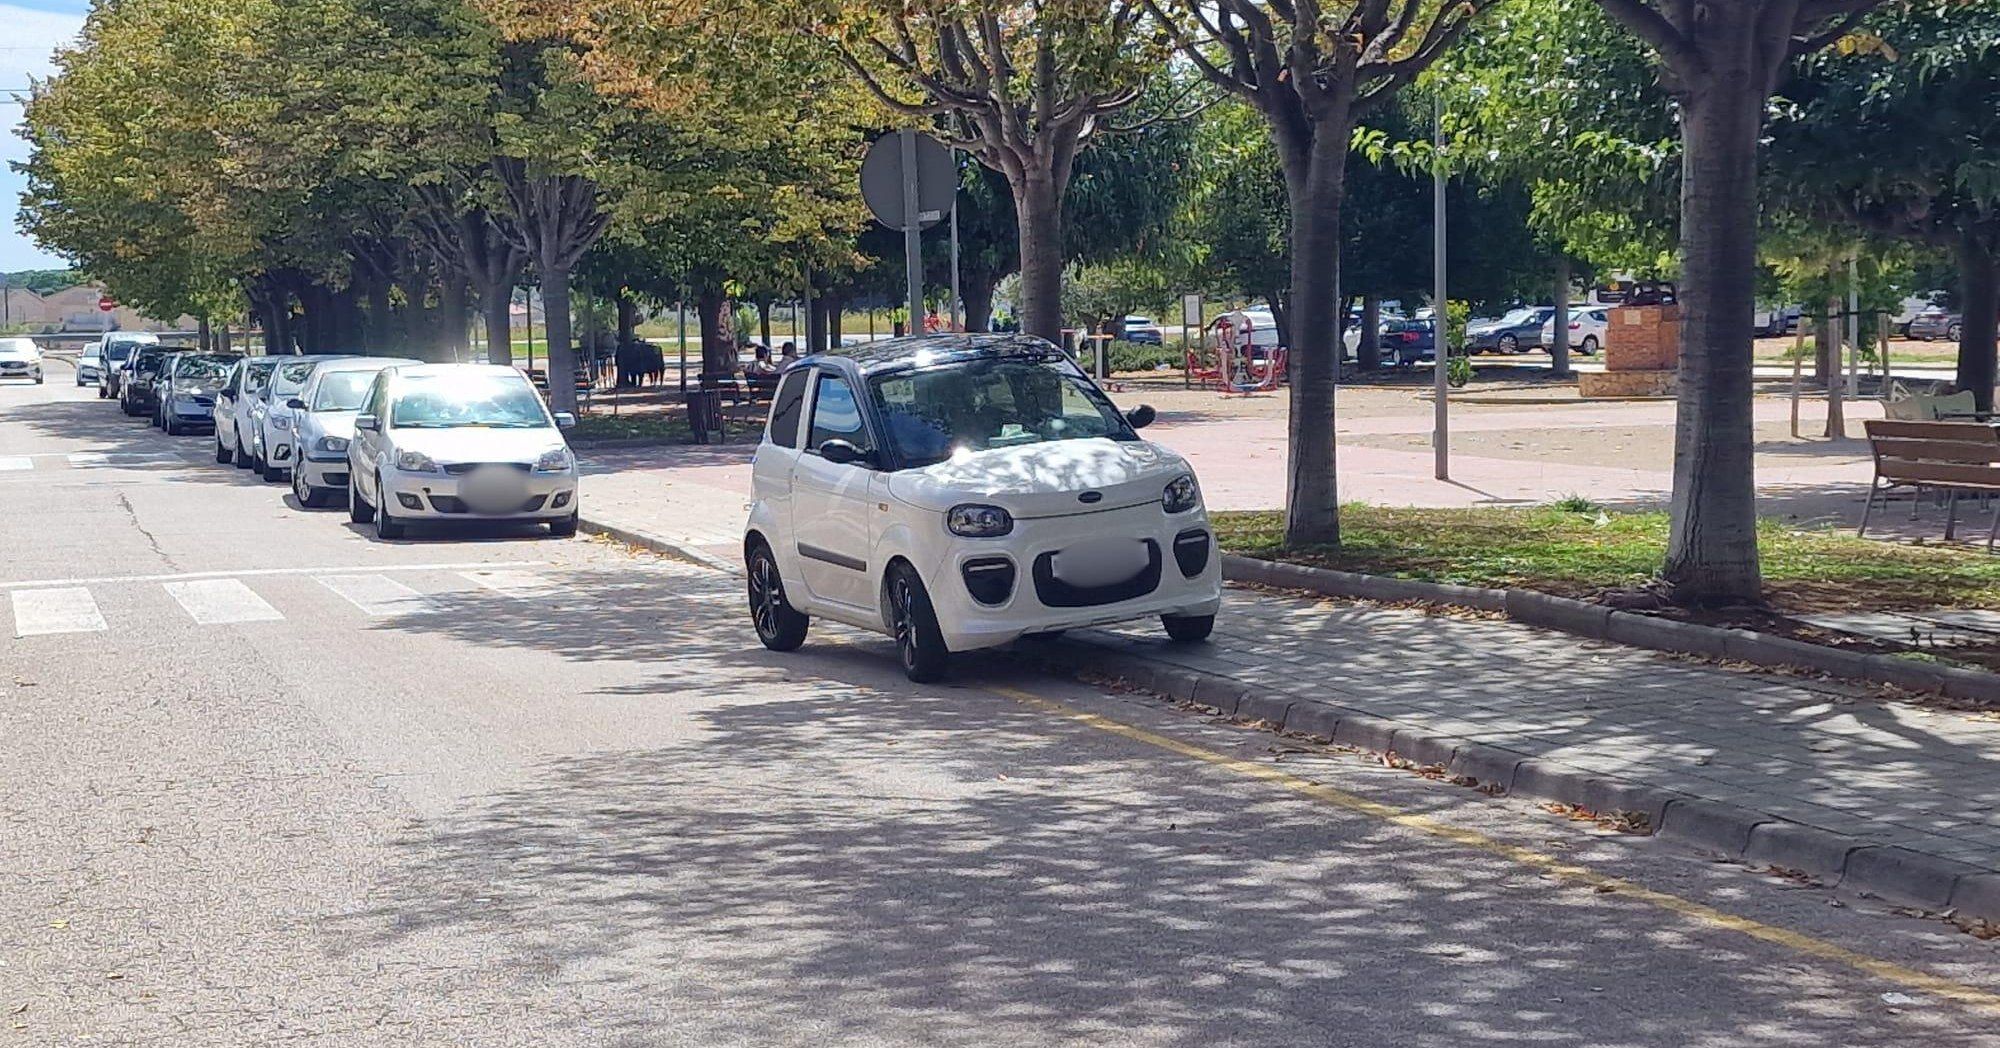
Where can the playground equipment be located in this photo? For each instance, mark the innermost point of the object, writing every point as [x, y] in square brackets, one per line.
[1245, 363]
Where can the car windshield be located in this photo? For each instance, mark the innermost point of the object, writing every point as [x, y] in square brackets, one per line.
[342, 390]
[457, 400]
[256, 374]
[291, 378]
[18, 349]
[1519, 316]
[148, 360]
[935, 413]
[213, 370]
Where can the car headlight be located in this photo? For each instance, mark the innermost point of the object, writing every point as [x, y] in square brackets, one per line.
[979, 522]
[188, 388]
[281, 422]
[1182, 494]
[415, 462]
[332, 445]
[555, 460]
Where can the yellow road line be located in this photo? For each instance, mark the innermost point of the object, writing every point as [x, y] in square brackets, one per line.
[1700, 913]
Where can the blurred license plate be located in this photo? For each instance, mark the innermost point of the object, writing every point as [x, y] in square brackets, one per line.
[1100, 562]
[494, 490]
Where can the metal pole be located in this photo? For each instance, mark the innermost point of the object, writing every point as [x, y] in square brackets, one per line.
[683, 309]
[957, 305]
[913, 245]
[810, 346]
[1440, 304]
[530, 314]
[1855, 329]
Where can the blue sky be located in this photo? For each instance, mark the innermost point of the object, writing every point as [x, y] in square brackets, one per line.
[30, 31]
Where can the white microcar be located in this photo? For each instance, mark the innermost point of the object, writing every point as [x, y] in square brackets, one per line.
[958, 492]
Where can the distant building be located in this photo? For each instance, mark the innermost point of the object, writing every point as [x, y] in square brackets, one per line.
[74, 309]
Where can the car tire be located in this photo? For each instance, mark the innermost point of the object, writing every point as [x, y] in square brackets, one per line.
[1954, 333]
[172, 426]
[242, 455]
[779, 626]
[1589, 346]
[103, 394]
[564, 528]
[1509, 344]
[913, 622]
[308, 496]
[387, 527]
[271, 474]
[223, 454]
[358, 509]
[1188, 629]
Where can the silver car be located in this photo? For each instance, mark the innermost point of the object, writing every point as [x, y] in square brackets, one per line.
[323, 425]
[271, 447]
[443, 443]
[20, 358]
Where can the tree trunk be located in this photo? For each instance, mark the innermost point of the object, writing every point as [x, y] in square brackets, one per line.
[718, 334]
[978, 304]
[381, 329]
[556, 325]
[452, 306]
[1281, 317]
[1038, 215]
[1712, 541]
[1823, 341]
[628, 319]
[816, 331]
[203, 336]
[1559, 344]
[1368, 350]
[1979, 273]
[764, 322]
[497, 303]
[222, 339]
[1315, 184]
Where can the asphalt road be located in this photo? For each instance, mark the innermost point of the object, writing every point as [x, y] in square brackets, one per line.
[267, 780]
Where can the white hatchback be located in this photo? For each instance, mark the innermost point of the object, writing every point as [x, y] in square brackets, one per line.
[1587, 325]
[449, 443]
[958, 492]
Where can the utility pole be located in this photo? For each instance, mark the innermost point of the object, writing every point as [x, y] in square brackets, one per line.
[913, 243]
[1440, 304]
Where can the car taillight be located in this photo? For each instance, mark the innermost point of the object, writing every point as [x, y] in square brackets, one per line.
[1576, 325]
[1409, 336]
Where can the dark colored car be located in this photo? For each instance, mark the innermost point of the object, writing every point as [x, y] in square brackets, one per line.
[187, 389]
[1936, 323]
[1407, 343]
[136, 395]
[1517, 332]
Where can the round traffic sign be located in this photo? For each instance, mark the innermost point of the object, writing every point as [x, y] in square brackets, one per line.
[882, 180]
[106, 303]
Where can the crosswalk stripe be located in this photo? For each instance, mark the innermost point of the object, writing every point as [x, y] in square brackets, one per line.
[518, 584]
[16, 462]
[45, 611]
[378, 595]
[89, 458]
[216, 602]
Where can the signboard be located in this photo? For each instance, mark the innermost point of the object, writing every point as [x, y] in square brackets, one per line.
[1191, 311]
[106, 303]
[882, 180]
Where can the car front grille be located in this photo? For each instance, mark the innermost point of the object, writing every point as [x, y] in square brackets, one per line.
[454, 505]
[459, 469]
[1055, 593]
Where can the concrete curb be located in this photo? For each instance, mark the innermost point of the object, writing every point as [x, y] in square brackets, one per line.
[1634, 629]
[664, 547]
[1851, 864]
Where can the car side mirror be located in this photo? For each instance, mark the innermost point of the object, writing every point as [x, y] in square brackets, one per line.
[296, 404]
[565, 420]
[842, 452]
[368, 422]
[1141, 416]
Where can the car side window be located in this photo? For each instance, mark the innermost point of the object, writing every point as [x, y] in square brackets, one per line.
[373, 405]
[785, 412]
[836, 415]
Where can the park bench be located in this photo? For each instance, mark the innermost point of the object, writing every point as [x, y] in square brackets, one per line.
[1956, 458]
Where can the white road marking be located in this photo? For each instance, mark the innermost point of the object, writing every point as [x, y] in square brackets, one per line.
[84, 459]
[263, 572]
[16, 462]
[45, 611]
[378, 595]
[215, 602]
[517, 584]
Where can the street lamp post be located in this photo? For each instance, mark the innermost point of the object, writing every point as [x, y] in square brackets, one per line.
[1440, 309]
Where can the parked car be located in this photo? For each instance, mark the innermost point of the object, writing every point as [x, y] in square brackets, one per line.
[159, 385]
[1587, 325]
[1407, 343]
[115, 350]
[1935, 323]
[958, 492]
[89, 365]
[21, 358]
[1518, 331]
[1914, 305]
[1144, 331]
[187, 390]
[271, 416]
[323, 424]
[136, 396]
[459, 442]
[1774, 321]
[232, 407]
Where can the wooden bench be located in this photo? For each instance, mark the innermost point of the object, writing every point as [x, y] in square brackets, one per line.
[1952, 457]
